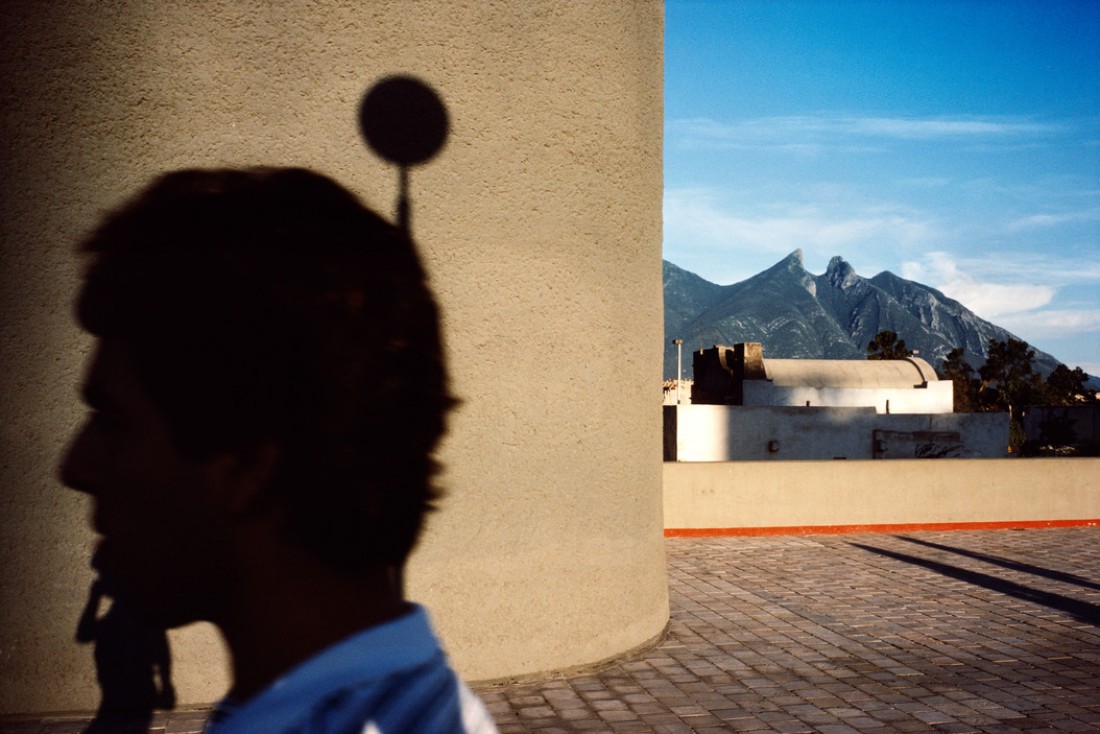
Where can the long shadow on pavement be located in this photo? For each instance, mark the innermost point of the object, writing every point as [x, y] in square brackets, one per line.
[1082, 611]
[1008, 563]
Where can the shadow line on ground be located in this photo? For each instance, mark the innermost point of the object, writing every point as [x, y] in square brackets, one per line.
[1081, 611]
[1008, 563]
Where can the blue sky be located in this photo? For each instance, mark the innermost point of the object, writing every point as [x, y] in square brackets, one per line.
[953, 143]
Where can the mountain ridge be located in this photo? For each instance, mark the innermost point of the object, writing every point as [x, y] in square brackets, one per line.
[795, 314]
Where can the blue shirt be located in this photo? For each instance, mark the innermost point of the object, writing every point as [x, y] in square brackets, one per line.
[389, 679]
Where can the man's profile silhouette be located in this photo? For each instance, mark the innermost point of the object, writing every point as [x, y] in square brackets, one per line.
[266, 395]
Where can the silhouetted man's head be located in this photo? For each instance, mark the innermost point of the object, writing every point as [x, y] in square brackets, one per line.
[267, 311]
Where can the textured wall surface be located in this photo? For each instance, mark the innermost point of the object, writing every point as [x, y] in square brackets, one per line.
[541, 227]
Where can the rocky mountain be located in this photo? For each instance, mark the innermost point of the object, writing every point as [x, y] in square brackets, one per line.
[796, 314]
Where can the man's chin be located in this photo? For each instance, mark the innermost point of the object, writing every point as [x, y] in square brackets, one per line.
[153, 612]
[147, 603]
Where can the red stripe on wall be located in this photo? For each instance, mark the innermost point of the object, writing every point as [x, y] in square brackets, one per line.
[887, 528]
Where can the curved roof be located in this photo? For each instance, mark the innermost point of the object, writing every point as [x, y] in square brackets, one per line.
[867, 373]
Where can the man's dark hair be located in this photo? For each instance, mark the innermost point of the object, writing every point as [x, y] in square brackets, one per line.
[269, 306]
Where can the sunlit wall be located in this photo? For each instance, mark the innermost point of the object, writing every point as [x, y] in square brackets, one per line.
[541, 227]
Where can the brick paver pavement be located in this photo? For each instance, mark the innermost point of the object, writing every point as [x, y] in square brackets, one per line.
[991, 631]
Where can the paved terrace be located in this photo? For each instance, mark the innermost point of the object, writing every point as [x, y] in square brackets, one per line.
[991, 631]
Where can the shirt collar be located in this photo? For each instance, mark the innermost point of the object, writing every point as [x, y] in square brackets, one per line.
[365, 657]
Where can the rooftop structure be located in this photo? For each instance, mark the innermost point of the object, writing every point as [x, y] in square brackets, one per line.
[739, 375]
[744, 407]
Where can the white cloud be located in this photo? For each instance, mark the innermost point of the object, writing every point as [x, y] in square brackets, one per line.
[696, 216]
[1054, 323]
[1041, 268]
[928, 128]
[926, 182]
[695, 220]
[1019, 307]
[1037, 221]
[808, 133]
[990, 300]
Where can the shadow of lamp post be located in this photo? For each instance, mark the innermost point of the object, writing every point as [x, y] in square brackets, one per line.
[404, 121]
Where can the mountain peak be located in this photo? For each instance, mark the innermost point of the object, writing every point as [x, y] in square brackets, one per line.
[790, 264]
[840, 316]
[840, 274]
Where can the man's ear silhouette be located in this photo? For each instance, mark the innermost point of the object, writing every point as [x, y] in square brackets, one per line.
[242, 477]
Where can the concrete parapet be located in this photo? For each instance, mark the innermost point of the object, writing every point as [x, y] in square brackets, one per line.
[831, 496]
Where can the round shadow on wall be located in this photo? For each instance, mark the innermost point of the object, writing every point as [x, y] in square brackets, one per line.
[403, 120]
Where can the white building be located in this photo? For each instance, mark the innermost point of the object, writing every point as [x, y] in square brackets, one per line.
[746, 408]
[739, 375]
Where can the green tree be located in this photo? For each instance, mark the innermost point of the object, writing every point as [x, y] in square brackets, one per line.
[1009, 383]
[1067, 387]
[886, 345]
[958, 370]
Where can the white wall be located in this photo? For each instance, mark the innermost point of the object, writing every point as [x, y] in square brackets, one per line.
[935, 397]
[752, 433]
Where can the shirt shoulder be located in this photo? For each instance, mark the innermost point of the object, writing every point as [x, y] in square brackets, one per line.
[389, 679]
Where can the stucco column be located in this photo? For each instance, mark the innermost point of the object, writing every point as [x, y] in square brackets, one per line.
[540, 224]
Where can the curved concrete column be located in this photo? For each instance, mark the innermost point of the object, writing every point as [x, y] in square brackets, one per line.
[541, 226]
